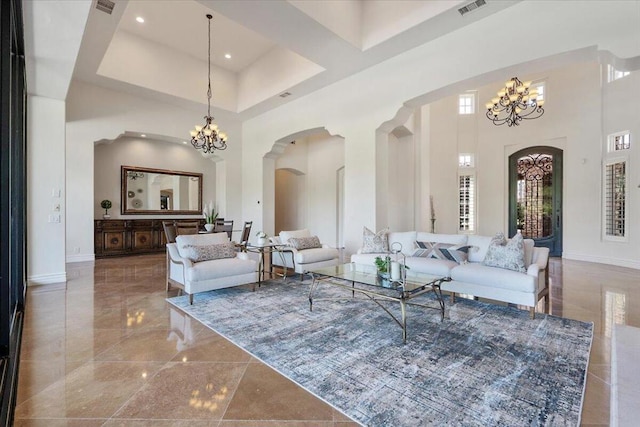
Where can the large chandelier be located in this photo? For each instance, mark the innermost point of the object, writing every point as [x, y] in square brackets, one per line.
[516, 102]
[208, 138]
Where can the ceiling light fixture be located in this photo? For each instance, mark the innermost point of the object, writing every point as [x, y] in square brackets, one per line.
[227, 55]
[143, 135]
[207, 138]
[140, 19]
[514, 103]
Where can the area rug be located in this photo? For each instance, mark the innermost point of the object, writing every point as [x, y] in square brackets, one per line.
[483, 365]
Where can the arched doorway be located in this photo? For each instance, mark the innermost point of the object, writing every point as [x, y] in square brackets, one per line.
[535, 196]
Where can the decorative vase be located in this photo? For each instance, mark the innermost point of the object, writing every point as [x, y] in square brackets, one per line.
[208, 227]
[383, 280]
[262, 241]
[106, 216]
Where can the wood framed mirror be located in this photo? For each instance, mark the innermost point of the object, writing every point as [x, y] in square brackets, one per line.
[146, 191]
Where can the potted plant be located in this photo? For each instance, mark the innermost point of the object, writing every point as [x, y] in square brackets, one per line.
[106, 205]
[210, 216]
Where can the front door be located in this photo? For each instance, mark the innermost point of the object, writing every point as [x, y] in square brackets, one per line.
[535, 196]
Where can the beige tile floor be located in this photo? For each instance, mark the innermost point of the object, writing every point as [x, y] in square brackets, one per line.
[106, 349]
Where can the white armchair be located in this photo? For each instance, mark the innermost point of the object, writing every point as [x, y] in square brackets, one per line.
[295, 255]
[203, 262]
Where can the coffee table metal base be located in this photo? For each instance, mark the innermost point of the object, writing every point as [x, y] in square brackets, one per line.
[374, 295]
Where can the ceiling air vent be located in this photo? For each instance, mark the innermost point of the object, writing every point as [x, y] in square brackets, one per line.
[105, 6]
[472, 6]
[285, 94]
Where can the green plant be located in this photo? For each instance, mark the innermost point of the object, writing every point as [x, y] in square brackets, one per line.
[382, 264]
[106, 205]
[210, 213]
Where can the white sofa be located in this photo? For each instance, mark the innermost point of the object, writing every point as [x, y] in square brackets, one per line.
[194, 277]
[302, 260]
[474, 278]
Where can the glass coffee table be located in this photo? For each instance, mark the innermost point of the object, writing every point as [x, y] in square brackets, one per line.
[364, 279]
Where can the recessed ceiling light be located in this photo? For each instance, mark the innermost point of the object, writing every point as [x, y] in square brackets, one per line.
[184, 142]
[140, 19]
[227, 55]
[143, 135]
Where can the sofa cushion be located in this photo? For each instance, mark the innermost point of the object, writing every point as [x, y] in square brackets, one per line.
[199, 240]
[198, 253]
[301, 243]
[480, 245]
[406, 238]
[316, 255]
[506, 254]
[375, 242]
[286, 235]
[437, 267]
[494, 277]
[216, 269]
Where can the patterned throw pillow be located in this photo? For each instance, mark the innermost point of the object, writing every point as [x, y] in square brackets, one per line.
[300, 243]
[503, 254]
[458, 254]
[375, 243]
[198, 253]
[430, 249]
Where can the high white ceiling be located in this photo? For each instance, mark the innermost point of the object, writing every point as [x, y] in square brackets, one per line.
[276, 46]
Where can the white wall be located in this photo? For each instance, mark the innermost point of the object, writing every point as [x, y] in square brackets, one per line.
[94, 114]
[46, 190]
[579, 113]
[143, 152]
[290, 200]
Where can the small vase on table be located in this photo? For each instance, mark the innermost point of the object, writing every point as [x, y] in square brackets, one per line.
[208, 227]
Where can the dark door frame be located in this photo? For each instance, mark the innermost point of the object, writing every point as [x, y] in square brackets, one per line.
[554, 241]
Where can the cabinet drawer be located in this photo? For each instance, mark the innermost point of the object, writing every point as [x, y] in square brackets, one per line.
[113, 241]
[142, 239]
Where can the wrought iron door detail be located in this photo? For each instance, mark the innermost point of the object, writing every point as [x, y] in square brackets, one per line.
[534, 195]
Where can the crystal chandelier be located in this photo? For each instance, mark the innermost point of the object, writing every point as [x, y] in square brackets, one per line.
[208, 138]
[516, 102]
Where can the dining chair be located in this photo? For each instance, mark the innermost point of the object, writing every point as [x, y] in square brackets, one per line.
[187, 227]
[222, 225]
[169, 231]
[244, 239]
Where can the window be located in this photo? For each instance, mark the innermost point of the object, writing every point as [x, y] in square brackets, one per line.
[539, 88]
[465, 160]
[619, 141]
[615, 198]
[466, 204]
[614, 74]
[466, 103]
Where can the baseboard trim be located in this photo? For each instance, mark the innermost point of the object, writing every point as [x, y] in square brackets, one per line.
[47, 279]
[81, 257]
[629, 263]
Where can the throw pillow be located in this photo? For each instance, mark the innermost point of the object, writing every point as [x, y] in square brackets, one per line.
[199, 253]
[430, 249]
[458, 254]
[300, 243]
[503, 254]
[375, 243]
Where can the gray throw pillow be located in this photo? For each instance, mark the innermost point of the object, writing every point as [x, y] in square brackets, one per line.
[199, 253]
[503, 254]
[301, 243]
[375, 243]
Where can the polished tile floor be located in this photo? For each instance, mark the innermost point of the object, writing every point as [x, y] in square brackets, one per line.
[106, 349]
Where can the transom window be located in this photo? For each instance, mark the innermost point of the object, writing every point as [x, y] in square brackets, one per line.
[619, 141]
[465, 160]
[614, 74]
[466, 103]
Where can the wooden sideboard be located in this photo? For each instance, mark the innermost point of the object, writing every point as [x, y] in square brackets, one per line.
[122, 237]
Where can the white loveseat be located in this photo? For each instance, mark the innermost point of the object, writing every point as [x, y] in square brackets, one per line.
[474, 278]
[302, 260]
[194, 277]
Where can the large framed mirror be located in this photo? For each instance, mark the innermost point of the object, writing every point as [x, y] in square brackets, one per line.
[148, 191]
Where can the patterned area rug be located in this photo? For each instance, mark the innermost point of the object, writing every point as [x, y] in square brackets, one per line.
[483, 365]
